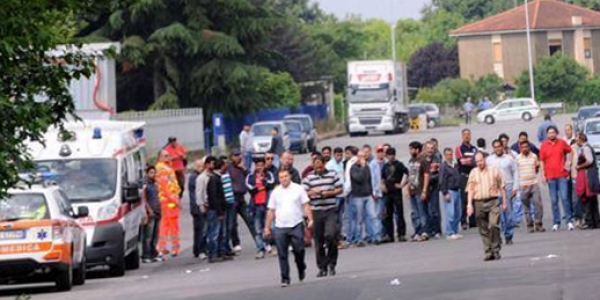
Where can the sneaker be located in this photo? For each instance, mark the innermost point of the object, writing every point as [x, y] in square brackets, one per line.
[260, 255]
[272, 252]
[488, 257]
[361, 244]
[530, 229]
[147, 261]
[509, 241]
[158, 259]
[322, 273]
[417, 238]
[437, 236]
[215, 260]
[459, 236]
[555, 227]
[203, 256]
[237, 249]
[424, 237]
[227, 258]
[332, 271]
[402, 239]
[452, 237]
[285, 283]
[571, 226]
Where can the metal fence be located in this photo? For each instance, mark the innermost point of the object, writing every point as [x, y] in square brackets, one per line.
[185, 124]
[233, 126]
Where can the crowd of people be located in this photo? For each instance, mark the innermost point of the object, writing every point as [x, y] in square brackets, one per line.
[354, 197]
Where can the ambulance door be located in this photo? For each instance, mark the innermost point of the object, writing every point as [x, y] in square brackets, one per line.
[133, 172]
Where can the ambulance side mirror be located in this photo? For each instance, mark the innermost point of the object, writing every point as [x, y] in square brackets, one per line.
[82, 212]
[131, 193]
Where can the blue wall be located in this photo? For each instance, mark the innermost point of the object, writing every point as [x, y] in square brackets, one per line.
[233, 126]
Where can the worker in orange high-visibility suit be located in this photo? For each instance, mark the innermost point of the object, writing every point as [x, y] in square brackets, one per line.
[168, 192]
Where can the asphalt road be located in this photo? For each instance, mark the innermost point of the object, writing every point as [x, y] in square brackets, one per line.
[563, 265]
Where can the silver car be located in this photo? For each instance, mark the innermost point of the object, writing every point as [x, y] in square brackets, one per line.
[262, 137]
[308, 126]
[432, 111]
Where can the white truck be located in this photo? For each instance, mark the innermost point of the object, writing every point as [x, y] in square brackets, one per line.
[377, 97]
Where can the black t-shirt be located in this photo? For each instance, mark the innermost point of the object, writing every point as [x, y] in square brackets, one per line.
[392, 174]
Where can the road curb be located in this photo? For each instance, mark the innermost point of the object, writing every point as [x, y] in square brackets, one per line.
[331, 135]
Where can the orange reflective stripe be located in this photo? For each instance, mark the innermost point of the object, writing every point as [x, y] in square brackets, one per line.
[25, 248]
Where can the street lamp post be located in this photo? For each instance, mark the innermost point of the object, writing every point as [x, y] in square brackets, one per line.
[529, 54]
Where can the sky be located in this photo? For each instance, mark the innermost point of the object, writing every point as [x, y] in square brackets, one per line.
[402, 9]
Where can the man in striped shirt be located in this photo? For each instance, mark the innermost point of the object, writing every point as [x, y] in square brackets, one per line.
[529, 165]
[323, 188]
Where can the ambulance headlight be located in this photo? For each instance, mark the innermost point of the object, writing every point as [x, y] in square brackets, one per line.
[108, 212]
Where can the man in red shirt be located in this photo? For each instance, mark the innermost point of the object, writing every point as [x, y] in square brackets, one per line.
[553, 153]
[178, 154]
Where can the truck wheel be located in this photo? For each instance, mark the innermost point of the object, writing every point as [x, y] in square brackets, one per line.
[64, 279]
[80, 274]
[132, 261]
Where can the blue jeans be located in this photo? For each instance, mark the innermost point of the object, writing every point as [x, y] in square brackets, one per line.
[372, 219]
[453, 209]
[419, 215]
[260, 217]
[435, 217]
[507, 221]
[226, 230]
[358, 210]
[247, 157]
[559, 189]
[576, 201]
[213, 227]
[276, 161]
[517, 208]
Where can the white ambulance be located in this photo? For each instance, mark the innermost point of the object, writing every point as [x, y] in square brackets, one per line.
[100, 166]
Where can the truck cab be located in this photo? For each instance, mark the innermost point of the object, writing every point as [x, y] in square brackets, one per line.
[376, 97]
[99, 165]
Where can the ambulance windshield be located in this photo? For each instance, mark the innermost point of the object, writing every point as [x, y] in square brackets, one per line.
[83, 180]
[24, 207]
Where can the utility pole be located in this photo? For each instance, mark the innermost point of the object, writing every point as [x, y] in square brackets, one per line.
[529, 54]
[393, 30]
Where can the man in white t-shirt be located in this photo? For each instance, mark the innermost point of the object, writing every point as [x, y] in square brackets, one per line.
[288, 204]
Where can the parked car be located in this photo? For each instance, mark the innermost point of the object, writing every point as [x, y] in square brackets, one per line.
[308, 126]
[432, 111]
[298, 138]
[262, 137]
[40, 238]
[513, 109]
[584, 113]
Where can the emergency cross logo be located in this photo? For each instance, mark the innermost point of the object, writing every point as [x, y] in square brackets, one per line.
[42, 235]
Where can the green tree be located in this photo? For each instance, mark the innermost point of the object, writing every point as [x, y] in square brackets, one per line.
[377, 42]
[556, 78]
[282, 86]
[589, 92]
[471, 10]
[410, 37]
[439, 23]
[593, 4]
[489, 86]
[453, 91]
[29, 30]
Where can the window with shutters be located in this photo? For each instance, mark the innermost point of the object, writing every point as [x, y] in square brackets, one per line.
[497, 48]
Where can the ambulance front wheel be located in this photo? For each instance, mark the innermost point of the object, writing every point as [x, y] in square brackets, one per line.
[64, 279]
[80, 273]
[132, 261]
[117, 269]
